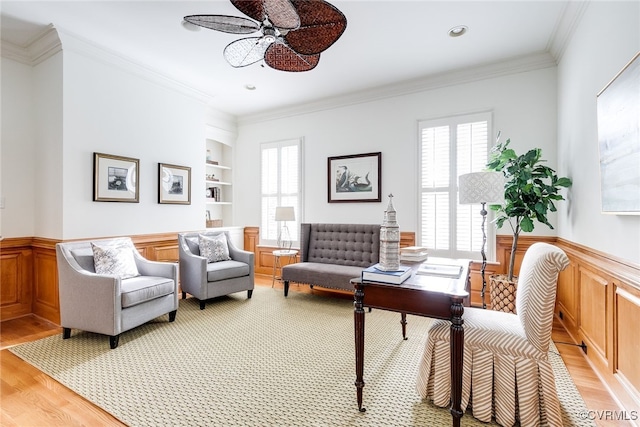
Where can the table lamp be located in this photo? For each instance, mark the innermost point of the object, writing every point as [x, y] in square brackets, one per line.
[284, 214]
[483, 188]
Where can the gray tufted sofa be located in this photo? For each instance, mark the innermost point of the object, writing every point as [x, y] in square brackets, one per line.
[333, 254]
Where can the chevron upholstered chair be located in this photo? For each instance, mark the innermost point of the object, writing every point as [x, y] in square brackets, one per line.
[506, 371]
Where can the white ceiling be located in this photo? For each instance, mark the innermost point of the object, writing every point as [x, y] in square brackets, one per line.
[385, 42]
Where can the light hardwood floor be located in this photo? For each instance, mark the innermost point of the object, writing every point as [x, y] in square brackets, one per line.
[30, 398]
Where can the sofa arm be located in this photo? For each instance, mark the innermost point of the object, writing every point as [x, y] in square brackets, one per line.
[156, 268]
[88, 301]
[242, 256]
[193, 270]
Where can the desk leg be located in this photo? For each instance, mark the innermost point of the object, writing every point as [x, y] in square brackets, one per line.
[457, 353]
[358, 322]
[403, 321]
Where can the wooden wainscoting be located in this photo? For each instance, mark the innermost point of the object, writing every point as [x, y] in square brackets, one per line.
[476, 282]
[16, 277]
[599, 304]
[29, 274]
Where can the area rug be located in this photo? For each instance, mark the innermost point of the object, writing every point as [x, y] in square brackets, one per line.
[265, 361]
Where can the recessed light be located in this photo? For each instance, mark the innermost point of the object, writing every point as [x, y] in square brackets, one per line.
[458, 31]
[249, 87]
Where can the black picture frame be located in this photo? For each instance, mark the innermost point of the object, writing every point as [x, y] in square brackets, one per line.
[355, 178]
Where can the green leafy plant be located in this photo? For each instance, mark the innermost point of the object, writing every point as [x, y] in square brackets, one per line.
[530, 191]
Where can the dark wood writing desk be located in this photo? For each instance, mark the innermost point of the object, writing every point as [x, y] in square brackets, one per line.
[422, 295]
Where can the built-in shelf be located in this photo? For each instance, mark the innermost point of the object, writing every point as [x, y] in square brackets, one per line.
[219, 208]
[218, 166]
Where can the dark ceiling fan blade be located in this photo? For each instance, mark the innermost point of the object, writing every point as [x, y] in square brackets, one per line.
[281, 57]
[281, 13]
[247, 51]
[226, 24]
[321, 24]
[252, 8]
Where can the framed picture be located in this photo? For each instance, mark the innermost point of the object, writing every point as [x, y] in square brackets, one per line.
[355, 178]
[115, 178]
[174, 184]
[619, 141]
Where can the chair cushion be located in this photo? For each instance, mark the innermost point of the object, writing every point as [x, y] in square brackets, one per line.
[137, 290]
[115, 258]
[321, 274]
[226, 270]
[493, 331]
[214, 248]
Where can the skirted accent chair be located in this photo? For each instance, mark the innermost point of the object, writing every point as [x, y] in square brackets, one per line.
[212, 266]
[506, 371]
[107, 287]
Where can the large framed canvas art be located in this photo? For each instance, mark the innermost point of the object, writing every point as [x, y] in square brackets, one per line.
[619, 141]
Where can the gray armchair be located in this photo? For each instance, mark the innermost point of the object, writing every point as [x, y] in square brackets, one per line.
[106, 303]
[205, 280]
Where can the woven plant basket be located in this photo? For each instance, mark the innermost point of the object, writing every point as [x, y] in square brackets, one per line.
[503, 293]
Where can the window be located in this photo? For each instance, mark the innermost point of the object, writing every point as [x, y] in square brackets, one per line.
[449, 148]
[280, 186]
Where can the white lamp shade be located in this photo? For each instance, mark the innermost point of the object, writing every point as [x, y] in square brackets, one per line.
[481, 187]
[285, 213]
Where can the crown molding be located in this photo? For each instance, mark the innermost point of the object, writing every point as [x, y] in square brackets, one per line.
[566, 27]
[487, 71]
[55, 39]
[42, 47]
[77, 44]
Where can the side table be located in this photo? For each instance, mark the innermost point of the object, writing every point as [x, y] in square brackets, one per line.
[292, 254]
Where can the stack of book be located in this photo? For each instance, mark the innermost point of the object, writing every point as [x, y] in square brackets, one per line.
[215, 193]
[375, 274]
[413, 254]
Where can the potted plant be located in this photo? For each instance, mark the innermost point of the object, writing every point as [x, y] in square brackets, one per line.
[530, 192]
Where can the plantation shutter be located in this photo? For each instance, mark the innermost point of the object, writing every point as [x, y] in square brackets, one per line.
[280, 186]
[449, 148]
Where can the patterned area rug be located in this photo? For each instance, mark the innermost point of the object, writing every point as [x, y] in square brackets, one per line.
[266, 361]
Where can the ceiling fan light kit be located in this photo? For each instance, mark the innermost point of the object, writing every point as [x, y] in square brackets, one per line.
[294, 32]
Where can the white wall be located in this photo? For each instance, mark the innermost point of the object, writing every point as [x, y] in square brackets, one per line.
[18, 153]
[524, 109]
[49, 135]
[607, 37]
[82, 100]
[110, 110]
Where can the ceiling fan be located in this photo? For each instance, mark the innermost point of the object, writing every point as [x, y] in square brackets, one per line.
[294, 32]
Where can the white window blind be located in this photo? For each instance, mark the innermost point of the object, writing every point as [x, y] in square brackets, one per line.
[449, 148]
[281, 172]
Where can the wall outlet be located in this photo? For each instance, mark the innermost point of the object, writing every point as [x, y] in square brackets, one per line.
[2, 202]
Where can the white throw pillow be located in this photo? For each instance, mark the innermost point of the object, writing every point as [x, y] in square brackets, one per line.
[214, 248]
[115, 259]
